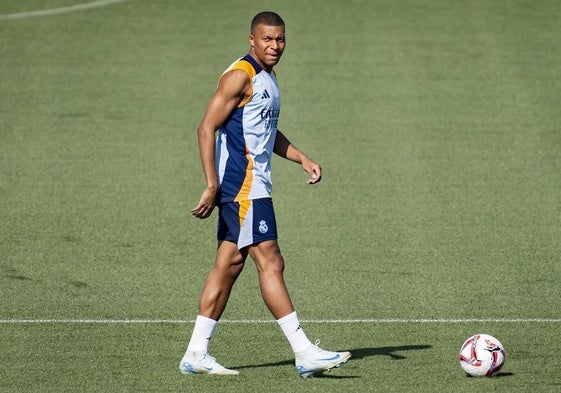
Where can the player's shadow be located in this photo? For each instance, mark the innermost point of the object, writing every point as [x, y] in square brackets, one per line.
[359, 353]
[386, 351]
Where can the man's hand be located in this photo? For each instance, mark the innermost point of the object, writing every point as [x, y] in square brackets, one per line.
[206, 204]
[313, 169]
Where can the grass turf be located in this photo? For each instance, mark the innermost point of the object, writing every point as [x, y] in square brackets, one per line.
[386, 357]
[437, 126]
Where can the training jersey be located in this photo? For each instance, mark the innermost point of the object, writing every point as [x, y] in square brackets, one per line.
[245, 142]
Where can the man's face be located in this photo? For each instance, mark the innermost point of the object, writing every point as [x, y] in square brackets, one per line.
[267, 45]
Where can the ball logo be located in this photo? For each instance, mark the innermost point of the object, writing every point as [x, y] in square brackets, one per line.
[263, 228]
[491, 346]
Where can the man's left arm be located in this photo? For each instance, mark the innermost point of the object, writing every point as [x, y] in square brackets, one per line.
[284, 148]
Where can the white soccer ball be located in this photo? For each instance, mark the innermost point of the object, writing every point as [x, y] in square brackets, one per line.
[482, 355]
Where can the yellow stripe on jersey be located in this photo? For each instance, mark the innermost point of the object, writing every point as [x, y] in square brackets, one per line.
[248, 179]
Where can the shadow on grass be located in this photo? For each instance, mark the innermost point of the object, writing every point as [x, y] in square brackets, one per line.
[498, 375]
[502, 375]
[359, 353]
[386, 351]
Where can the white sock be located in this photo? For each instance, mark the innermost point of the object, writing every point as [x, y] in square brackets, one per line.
[202, 333]
[290, 325]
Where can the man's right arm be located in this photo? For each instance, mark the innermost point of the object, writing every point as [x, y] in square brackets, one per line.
[232, 89]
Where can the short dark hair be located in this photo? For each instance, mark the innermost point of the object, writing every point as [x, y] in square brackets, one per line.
[268, 18]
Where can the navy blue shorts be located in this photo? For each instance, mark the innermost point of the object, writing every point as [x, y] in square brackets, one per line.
[247, 222]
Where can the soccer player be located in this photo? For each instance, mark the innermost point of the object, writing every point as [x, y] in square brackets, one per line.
[237, 168]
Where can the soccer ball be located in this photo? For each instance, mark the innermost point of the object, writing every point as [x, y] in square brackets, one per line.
[482, 355]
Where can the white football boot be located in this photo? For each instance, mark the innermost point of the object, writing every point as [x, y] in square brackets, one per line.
[314, 360]
[202, 363]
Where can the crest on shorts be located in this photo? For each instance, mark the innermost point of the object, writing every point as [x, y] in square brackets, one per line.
[263, 228]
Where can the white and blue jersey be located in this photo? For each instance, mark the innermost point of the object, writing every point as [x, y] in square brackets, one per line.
[244, 147]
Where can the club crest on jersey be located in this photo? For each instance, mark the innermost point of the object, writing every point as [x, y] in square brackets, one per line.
[263, 228]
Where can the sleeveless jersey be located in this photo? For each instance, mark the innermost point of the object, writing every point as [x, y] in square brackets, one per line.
[245, 142]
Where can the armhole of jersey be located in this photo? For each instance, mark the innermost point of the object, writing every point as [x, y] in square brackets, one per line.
[250, 70]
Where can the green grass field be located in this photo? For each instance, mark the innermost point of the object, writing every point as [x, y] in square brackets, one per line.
[437, 124]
